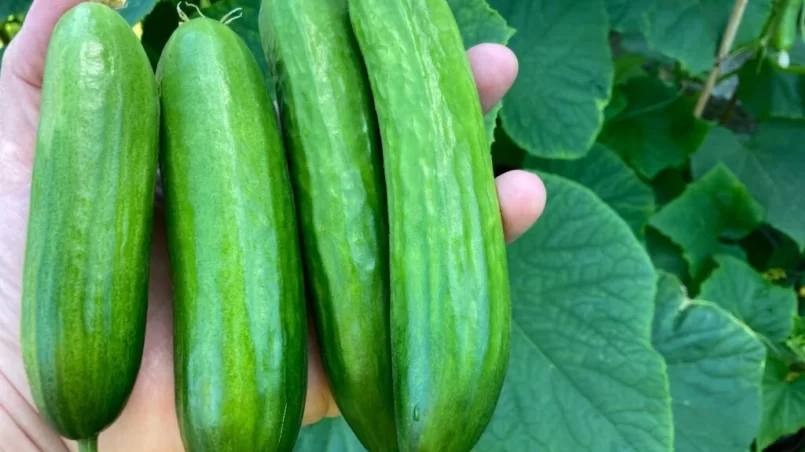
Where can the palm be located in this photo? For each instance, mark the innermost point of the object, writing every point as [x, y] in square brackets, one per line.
[148, 420]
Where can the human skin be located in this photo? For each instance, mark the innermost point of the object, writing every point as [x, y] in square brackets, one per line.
[149, 420]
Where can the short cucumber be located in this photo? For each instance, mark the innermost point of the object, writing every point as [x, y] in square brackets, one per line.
[240, 337]
[331, 132]
[85, 283]
[450, 307]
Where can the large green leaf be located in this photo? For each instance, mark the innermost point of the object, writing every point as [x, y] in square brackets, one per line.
[555, 108]
[766, 90]
[582, 374]
[479, 23]
[714, 205]
[629, 16]
[657, 130]
[715, 368]
[666, 255]
[328, 435]
[770, 163]
[690, 30]
[603, 172]
[768, 309]
[783, 402]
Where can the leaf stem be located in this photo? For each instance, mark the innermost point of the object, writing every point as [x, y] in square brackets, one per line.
[88, 444]
[726, 44]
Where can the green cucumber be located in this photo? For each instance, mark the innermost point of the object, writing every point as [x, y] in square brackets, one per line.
[85, 283]
[240, 331]
[330, 129]
[450, 307]
[785, 33]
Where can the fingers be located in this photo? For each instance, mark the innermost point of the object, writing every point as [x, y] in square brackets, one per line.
[522, 199]
[319, 402]
[25, 56]
[495, 68]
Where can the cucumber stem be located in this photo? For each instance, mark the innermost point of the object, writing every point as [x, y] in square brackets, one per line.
[88, 444]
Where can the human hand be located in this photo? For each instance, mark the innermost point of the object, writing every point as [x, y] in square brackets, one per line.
[149, 420]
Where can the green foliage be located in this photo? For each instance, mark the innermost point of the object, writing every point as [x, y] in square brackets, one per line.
[690, 30]
[646, 201]
[559, 44]
[767, 309]
[769, 91]
[610, 178]
[135, 10]
[783, 402]
[714, 367]
[715, 205]
[656, 130]
[629, 16]
[479, 23]
[13, 7]
[581, 270]
[328, 435]
[770, 163]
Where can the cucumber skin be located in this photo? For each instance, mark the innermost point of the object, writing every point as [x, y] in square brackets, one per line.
[331, 132]
[450, 306]
[85, 281]
[785, 34]
[240, 332]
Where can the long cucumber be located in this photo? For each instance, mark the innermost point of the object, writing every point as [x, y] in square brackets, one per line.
[450, 307]
[334, 147]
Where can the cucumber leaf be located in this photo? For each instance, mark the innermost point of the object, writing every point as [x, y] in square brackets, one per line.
[603, 172]
[657, 130]
[767, 309]
[715, 368]
[556, 107]
[783, 402]
[768, 91]
[134, 10]
[716, 204]
[629, 16]
[666, 255]
[770, 163]
[581, 282]
[690, 30]
[328, 435]
[479, 23]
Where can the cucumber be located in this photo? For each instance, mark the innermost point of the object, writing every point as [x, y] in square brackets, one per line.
[240, 337]
[330, 129]
[450, 307]
[785, 33]
[85, 281]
